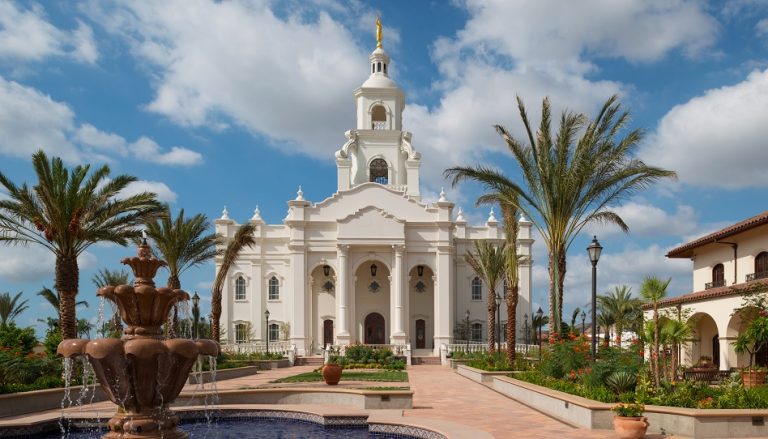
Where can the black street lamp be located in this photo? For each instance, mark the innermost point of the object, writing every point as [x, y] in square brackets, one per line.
[594, 251]
[195, 314]
[526, 333]
[468, 330]
[540, 316]
[583, 318]
[498, 325]
[266, 326]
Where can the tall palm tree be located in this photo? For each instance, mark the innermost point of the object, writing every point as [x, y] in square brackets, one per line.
[653, 290]
[538, 322]
[10, 307]
[570, 179]
[676, 332]
[243, 238]
[621, 306]
[605, 320]
[183, 243]
[66, 212]
[489, 264]
[52, 298]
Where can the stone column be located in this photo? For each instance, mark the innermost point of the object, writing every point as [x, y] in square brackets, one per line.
[728, 356]
[398, 296]
[443, 298]
[342, 296]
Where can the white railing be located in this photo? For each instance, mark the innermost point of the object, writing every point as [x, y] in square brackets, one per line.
[520, 348]
[286, 348]
[398, 187]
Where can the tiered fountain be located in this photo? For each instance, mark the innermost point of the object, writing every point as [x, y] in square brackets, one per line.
[142, 372]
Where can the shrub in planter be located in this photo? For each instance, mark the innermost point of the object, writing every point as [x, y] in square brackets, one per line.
[629, 422]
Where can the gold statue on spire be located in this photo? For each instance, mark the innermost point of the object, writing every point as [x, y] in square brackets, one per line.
[378, 32]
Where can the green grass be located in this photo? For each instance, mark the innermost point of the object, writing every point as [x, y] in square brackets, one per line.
[387, 388]
[381, 375]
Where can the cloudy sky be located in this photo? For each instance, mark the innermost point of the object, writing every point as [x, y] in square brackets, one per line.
[237, 103]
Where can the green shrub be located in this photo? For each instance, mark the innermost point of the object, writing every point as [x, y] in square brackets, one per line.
[15, 339]
[621, 381]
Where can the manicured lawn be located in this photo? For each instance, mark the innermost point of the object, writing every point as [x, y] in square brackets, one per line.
[349, 375]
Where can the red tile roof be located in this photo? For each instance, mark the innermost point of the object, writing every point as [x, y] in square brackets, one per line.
[686, 250]
[698, 296]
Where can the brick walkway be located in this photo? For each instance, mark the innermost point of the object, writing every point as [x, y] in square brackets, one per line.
[440, 393]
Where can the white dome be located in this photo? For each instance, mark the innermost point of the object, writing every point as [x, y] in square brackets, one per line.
[379, 81]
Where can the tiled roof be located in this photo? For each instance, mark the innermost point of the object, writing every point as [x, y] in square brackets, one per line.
[686, 250]
[698, 296]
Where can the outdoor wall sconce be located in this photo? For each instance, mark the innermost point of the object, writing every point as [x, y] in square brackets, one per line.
[374, 268]
[420, 270]
[326, 270]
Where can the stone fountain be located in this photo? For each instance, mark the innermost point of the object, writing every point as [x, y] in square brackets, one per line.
[142, 372]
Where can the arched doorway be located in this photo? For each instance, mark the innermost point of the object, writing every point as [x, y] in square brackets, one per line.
[374, 329]
[327, 332]
[421, 333]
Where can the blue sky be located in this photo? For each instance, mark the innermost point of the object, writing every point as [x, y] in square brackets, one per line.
[237, 103]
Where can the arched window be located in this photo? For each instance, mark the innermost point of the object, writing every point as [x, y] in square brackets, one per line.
[718, 276]
[241, 332]
[379, 171]
[378, 118]
[240, 288]
[274, 288]
[477, 289]
[274, 332]
[476, 332]
[761, 265]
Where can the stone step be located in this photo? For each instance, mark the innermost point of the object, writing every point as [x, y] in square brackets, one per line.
[425, 360]
[308, 361]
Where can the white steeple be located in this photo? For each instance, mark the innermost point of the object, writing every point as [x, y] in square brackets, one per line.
[378, 150]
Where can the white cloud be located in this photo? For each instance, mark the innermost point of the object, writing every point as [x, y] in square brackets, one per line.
[205, 285]
[717, 139]
[31, 120]
[26, 35]
[33, 263]
[648, 220]
[761, 28]
[218, 62]
[163, 192]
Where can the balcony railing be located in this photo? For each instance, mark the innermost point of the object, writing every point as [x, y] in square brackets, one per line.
[758, 275]
[714, 284]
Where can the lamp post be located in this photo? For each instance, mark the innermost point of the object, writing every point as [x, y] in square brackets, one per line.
[583, 318]
[195, 314]
[540, 316]
[266, 326]
[467, 329]
[498, 325]
[594, 251]
[526, 333]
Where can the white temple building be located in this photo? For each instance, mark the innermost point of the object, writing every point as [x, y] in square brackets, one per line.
[372, 263]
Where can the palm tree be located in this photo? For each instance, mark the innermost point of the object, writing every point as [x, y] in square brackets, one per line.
[569, 181]
[68, 211]
[538, 322]
[574, 316]
[10, 307]
[243, 238]
[621, 306]
[489, 263]
[183, 243]
[51, 297]
[653, 290]
[676, 332]
[103, 278]
[605, 320]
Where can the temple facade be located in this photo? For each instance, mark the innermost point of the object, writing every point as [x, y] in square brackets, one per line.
[372, 263]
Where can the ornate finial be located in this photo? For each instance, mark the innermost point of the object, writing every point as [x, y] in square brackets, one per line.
[144, 236]
[460, 216]
[522, 219]
[378, 32]
[225, 213]
[442, 195]
[299, 194]
[491, 217]
[256, 214]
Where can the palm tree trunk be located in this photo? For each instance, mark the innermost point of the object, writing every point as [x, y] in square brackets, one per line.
[552, 298]
[561, 266]
[655, 360]
[675, 360]
[216, 315]
[491, 320]
[174, 283]
[67, 277]
[512, 298]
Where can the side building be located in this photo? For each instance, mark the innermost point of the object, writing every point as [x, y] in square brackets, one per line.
[372, 263]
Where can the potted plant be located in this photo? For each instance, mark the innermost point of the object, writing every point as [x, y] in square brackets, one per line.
[332, 369]
[629, 421]
[754, 337]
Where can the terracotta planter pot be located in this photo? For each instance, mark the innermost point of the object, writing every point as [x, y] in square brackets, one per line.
[332, 374]
[630, 427]
[753, 378]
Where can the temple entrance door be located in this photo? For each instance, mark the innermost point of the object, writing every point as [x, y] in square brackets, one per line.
[327, 332]
[421, 333]
[374, 329]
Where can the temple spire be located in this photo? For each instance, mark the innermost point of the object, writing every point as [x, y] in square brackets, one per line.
[378, 32]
